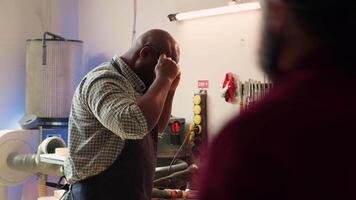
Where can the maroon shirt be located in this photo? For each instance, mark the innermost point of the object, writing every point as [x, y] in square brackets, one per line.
[299, 143]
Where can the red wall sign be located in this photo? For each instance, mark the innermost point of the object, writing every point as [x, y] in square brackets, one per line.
[203, 84]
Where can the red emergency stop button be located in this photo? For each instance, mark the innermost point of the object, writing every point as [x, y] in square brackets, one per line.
[175, 128]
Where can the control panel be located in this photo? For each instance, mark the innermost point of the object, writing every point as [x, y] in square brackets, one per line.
[198, 129]
[172, 138]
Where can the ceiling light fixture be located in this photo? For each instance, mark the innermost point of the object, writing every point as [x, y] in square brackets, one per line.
[232, 8]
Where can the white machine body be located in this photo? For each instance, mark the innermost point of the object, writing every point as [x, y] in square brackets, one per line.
[53, 71]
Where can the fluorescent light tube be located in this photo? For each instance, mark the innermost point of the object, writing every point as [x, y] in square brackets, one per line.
[215, 11]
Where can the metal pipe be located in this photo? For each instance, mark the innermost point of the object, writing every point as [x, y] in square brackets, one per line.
[166, 170]
[28, 163]
[22, 162]
[190, 170]
[44, 45]
[31, 162]
[169, 194]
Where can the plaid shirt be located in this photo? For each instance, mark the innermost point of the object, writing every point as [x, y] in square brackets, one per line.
[103, 115]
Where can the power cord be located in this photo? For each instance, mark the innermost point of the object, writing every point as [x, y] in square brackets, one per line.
[178, 152]
[134, 21]
[65, 187]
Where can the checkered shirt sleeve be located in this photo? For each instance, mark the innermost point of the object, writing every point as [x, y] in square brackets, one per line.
[107, 97]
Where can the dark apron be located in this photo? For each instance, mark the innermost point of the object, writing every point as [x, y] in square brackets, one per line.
[130, 177]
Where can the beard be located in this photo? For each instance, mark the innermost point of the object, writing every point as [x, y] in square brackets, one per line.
[270, 51]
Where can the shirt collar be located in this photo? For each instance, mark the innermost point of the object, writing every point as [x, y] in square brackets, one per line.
[126, 70]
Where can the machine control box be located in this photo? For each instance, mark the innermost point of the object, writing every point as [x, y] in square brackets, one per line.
[172, 138]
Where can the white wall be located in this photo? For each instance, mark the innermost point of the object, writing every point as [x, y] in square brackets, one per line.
[21, 20]
[106, 26]
[210, 47]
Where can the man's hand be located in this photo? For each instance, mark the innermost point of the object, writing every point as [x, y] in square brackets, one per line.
[167, 68]
[152, 103]
[175, 82]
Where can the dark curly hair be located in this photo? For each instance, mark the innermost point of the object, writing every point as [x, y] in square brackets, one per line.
[333, 22]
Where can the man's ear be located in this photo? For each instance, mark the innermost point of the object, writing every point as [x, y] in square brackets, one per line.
[144, 52]
[276, 16]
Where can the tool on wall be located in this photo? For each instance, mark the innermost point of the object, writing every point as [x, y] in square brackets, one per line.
[198, 129]
[244, 93]
[252, 91]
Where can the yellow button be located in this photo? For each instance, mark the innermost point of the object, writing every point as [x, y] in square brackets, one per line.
[191, 137]
[197, 99]
[191, 127]
[197, 109]
[197, 119]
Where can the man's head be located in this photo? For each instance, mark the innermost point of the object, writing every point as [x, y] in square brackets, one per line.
[297, 29]
[144, 54]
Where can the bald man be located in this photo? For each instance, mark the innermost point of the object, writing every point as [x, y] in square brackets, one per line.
[117, 111]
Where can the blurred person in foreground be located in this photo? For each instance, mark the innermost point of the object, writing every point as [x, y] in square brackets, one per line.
[299, 142]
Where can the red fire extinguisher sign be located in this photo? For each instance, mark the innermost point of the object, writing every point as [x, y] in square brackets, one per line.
[203, 84]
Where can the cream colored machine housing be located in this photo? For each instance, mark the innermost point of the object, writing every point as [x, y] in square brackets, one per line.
[53, 70]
